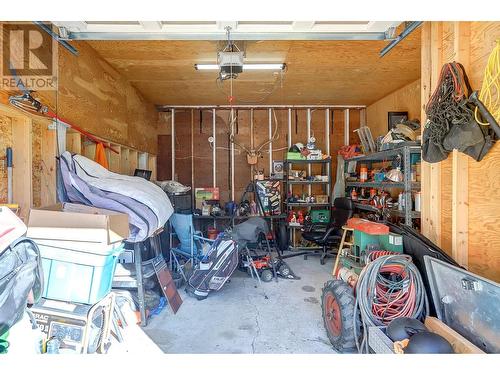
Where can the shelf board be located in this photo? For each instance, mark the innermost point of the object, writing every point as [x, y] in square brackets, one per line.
[308, 204]
[298, 161]
[367, 207]
[387, 154]
[225, 217]
[414, 185]
[292, 182]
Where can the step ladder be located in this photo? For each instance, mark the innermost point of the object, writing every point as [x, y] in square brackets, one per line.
[343, 243]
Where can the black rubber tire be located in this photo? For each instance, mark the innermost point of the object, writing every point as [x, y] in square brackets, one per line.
[281, 236]
[337, 291]
[266, 275]
[190, 292]
[284, 270]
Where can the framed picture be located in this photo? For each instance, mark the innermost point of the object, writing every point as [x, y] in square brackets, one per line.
[394, 118]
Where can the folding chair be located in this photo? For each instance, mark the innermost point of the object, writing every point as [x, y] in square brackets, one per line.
[191, 242]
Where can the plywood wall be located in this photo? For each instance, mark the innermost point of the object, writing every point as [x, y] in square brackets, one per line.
[464, 220]
[5, 141]
[33, 148]
[97, 98]
[194, 154]
[406, 99]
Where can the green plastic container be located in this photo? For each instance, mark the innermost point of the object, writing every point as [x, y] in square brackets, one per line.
[295, 156]
[320, 216]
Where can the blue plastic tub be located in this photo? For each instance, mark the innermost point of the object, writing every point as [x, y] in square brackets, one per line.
[78, 276]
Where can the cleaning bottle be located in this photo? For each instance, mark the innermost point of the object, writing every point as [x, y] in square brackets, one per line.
[354, 194]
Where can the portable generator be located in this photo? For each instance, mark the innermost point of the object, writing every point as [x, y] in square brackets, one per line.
[368, 241]
[84, 329]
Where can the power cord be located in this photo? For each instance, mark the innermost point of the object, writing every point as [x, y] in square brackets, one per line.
[490, 90]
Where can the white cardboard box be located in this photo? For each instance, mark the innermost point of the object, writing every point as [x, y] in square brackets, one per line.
[76, 222]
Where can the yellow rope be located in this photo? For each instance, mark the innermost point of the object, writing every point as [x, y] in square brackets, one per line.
[490, 90]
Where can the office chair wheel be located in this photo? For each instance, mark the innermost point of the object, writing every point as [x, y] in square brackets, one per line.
[322, 260]
[305, 257]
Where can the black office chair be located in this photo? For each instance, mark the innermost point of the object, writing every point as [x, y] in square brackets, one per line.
[327, 237]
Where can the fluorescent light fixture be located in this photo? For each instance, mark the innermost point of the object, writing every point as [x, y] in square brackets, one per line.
[206, 66]
[279, 66]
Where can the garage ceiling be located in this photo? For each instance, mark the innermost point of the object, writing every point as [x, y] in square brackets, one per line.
[318, 72]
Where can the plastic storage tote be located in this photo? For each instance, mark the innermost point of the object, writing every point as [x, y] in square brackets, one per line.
[78, 276]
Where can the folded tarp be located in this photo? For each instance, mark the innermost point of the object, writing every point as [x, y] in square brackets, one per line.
[150, 194]
[88, 183]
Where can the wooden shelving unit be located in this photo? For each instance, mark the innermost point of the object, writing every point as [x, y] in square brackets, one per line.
[124, 161]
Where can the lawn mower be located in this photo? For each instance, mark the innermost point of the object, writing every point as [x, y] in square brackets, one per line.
[374, 283]
[264, 268]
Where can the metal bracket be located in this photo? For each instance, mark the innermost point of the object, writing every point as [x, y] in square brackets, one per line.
[390, 33]
[63, 33]
[409, 28]
[56, 37]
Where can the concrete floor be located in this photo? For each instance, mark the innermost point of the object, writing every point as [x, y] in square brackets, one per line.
[283, 317]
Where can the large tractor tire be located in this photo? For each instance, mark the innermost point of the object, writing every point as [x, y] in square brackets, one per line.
[337, 304]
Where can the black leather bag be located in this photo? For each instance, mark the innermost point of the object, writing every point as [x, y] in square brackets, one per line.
[20, 273]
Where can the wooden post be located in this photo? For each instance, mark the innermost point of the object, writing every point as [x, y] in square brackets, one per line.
[346, 127]
[89, 149]
[152, 166]
[74, 142]
[132, 161]
[362, 117]
[460, 163]
[426, 92]
[115, 159]
[124, 160]
[22, 164]
[48, 177]
[192, 154]
[431, 173]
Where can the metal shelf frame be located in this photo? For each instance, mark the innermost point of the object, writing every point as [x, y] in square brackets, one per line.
[407, 185]
[288, 187]
[292, 182]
